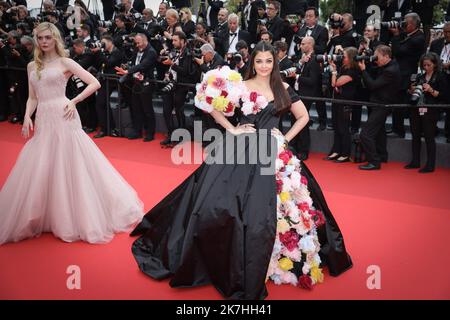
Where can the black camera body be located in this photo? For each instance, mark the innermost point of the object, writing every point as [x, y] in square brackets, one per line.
[297, 39]
[335, 23]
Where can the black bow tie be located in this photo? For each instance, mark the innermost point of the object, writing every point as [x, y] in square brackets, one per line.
[233, 34]
[310, 28]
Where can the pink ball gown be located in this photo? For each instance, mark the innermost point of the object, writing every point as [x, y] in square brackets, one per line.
[62, 183]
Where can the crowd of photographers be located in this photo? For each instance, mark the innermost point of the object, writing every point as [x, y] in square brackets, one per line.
[140, 46]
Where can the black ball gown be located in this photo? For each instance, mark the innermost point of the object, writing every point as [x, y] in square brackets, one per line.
[220, 227]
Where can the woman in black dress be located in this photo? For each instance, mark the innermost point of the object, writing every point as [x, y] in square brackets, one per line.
[345, 84]
[423, 120]
[235, 226]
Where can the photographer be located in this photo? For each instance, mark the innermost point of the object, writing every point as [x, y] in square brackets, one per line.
[384, 89]
[53, 17]
[221, 31]
[142, 112]
[442, 48]
[311, 28]
[210, 60]
[87, 59]
[182, 70]
[347, 37]
[284, 63]
[430, 87]
[120, 31]
[308, 84]
[274, 23]
[345, 84]
[15, 56]
[239, 61]
[109, 58]
[408, 45]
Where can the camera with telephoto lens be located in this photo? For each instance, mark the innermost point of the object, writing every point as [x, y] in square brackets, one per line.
[107, 24]
[327, 57]
[395, 23]
[366, 58]
[169, 83]
[417, 93]
[335, 22]
[297, 68]
[96, 44]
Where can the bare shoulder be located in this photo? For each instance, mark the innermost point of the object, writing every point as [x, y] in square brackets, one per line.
[67, 61]
[31, 66]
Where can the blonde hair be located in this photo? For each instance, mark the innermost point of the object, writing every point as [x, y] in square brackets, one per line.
[59, 44]
[188, 13]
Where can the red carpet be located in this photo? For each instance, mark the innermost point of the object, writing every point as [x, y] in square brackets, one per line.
[396, 219]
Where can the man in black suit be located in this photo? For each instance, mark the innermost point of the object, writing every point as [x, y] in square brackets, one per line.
[110, 58]
[274, 23]
[234, 35]
[442, 48]
[210, 60]
[394, 9]
[87, 59]
[308, 83]
[212, 12]
[142, 113]
[284, 62]
[311, 28]
[384, 89]
[319, 33]
[408, 45]
[148, 23]
[221, 31]
[182, 70]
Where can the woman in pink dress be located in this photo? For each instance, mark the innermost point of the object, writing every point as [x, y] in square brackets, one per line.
[62, 183]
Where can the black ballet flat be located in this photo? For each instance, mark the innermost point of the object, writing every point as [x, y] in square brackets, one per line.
[412, 166]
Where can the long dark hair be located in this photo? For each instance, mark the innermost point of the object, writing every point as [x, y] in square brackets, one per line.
[282, 100]
[434, 58]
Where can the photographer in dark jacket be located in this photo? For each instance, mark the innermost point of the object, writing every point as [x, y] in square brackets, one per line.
[85, 58]
[15, 55]
[274, 24]
[384, 89]
[110, 58]
[142, 113]
[210, 60]
[430, 87]
[408, 45]
[309, 79]
[182, 70]
[345, 83]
